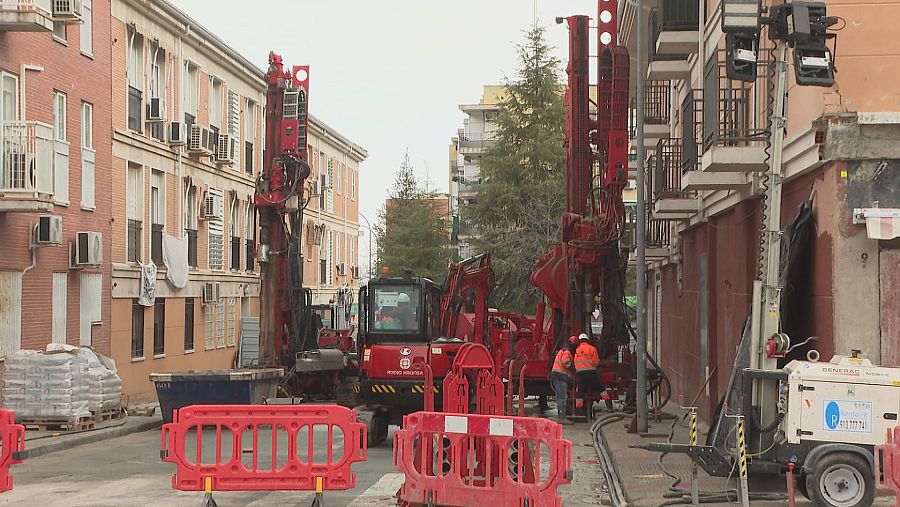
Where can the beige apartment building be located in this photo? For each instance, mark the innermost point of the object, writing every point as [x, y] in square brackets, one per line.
[187, 116]
[706, 158]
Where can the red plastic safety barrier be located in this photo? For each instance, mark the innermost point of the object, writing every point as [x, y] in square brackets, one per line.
[264, 447]
[467, 460]
[13, 436]
[887, 463]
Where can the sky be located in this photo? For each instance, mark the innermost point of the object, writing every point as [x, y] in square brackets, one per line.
[390, 74]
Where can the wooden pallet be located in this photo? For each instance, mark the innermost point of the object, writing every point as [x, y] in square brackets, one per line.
[59, 423]
[108, 415]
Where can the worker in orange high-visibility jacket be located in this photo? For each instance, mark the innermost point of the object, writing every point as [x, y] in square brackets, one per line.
[586, 361]
[561, 376]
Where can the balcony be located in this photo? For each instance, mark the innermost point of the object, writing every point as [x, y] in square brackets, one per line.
[734, 122]
[674, 34]
[26, 16]
[657, 102]
[665, 169]
[675, 29]
[26, 166]
[475, 142]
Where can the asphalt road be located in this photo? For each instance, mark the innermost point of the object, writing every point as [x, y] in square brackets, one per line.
[127, 471]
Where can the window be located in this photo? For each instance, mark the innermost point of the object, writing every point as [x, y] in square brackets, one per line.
[191, 90]
[215, 229]
[91, 297]
[249, 135]
[11, 312]
[135, 71]
[250, 236]
[209, 321]
[61, 150]
[395, 309]
[157, 214]
[88, 156]
[190, 224]
[233, 127]
[60, 289]
[87, 43]
[59, 116]
[134, 211]
[159, 327]
[157, 57]
[215, 101]
[230, 308]
[189, 324]
[9, 97]
[137, 330]
[235, 228]
[59, 31]
[353, 183]
[322, 192]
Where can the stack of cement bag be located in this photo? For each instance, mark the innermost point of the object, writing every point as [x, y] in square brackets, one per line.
[62, 382]
[104, 385]
[39, 385]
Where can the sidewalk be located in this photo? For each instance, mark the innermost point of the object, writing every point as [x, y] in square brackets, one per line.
[645, 483]
[38, 443]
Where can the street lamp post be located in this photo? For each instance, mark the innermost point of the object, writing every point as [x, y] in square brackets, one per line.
[369, 226]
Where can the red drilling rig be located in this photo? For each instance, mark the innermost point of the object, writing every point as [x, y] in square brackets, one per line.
[288, 330]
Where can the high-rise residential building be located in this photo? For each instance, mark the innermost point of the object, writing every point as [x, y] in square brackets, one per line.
[466, 150]
[55, 174]
[707, 157]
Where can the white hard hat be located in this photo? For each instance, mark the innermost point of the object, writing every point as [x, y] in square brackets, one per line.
[583, 337]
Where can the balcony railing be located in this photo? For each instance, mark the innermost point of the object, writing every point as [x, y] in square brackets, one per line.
[665, 170]
[659, 233]
[733, 111]
[691, 130]
[672, 16]
[476, 139]
[26, 152]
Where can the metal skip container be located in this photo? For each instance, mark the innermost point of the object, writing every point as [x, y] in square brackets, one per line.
[214, 387]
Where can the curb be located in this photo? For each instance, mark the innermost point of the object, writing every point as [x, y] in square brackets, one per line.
[614, 462]
[90, 438]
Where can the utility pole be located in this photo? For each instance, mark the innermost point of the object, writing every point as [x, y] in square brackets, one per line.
[641, 349]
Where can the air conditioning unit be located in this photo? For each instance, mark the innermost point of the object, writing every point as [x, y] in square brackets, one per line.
[198, 142]
[340, 269]
[211, 294]
[156, 110]
[177, 131]
[49, 230]
[88, 249]
[314, 189]
[225, 151]
[67, 8]
[212, 207]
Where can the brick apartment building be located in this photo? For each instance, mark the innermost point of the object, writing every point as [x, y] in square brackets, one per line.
[55, 163]
[705, 147]
[108, 121]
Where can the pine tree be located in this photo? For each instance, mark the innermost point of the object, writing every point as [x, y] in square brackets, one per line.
[520, 201]
[412, 235]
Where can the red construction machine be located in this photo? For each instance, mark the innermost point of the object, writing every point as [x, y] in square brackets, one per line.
[288, 327]
[586, 268]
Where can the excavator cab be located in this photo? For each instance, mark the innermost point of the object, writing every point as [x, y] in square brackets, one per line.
[399, 334]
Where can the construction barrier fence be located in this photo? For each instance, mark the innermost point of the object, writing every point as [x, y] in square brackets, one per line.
[468, 460]
[264, 447]
[13, 444]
